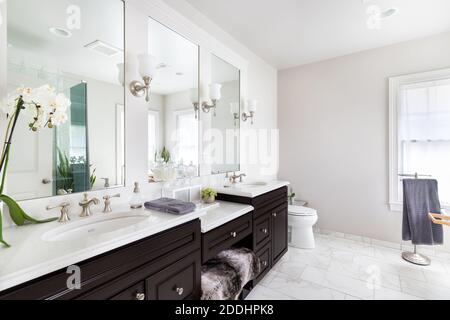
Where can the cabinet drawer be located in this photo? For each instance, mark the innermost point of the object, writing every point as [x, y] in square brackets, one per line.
[262, 231]
[136, 292]
[181, 281]
[265, 255]
[226, 236]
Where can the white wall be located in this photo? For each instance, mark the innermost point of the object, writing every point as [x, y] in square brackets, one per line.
[333, 119]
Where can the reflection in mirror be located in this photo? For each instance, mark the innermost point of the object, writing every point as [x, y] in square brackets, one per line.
[76, 47]
[172, 116]
[227, 121]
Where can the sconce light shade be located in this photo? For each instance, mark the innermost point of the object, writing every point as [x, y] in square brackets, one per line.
[235, 108]
[147, 65]
[252, 105]
[215, 91]
[121, 77]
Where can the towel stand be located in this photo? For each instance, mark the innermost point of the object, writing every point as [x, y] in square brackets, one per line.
[415, 257]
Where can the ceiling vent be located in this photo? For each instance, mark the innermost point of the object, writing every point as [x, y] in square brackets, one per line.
[103, 48]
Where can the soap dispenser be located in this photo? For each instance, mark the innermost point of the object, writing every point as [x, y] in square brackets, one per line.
[136, 201]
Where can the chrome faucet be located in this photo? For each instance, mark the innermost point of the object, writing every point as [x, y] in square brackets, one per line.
[234, 177]
[107, 199]
[86, 205]
[64, 207]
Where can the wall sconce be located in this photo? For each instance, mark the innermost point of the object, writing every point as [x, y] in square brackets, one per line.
[235, 109]
[252, 106]
[147, 70]
[215, 94]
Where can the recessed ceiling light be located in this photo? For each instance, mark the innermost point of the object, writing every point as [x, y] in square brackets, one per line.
[389, 13]
[60, 32]
[179, 74]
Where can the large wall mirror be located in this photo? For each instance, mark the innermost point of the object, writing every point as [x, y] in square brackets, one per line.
[226, 122]
[77, 47]
[172, 117]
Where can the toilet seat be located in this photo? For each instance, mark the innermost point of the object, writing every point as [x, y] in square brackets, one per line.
[301, 211]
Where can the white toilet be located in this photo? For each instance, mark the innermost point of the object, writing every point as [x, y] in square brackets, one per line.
[301, 222]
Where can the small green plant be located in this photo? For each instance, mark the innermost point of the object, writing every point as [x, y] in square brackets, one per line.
[65, 172]
[291, 195]
[165, 155]
[209, 193]
[93, 178]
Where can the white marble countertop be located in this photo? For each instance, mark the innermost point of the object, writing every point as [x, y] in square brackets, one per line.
[251, 189]
[31, 256]
[226, 212]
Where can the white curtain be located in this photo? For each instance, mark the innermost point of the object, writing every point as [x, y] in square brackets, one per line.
[424, 132]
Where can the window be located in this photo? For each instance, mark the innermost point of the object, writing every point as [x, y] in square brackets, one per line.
[187, 137]
[420, 131]
[153, 136]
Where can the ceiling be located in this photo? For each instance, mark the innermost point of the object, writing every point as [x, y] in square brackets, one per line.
[288, 33]
[32, 45]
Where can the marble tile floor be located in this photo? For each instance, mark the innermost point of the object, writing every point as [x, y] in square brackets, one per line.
[345, 269]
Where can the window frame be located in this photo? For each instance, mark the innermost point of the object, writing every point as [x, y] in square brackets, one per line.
[395, 84]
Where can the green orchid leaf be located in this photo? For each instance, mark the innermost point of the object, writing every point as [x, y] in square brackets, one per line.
[18, 215]
[1, 232]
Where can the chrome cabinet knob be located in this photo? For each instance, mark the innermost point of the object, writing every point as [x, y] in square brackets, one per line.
[180, 291]
[234, 234]
[265, 231]
[265, 264]
[140, 296]
[274, 214]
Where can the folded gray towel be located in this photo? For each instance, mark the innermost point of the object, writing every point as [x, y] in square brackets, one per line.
[421, 197]
[171, 206]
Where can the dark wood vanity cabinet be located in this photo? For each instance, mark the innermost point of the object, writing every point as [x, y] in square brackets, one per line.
[270, 225]
[165, 266]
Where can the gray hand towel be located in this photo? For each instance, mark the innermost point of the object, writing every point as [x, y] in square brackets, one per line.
[171, 206]
[420, 197]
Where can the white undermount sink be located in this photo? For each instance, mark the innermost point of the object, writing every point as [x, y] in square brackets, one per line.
[93, 226]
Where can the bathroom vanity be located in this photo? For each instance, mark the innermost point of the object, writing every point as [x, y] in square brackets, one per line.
[161, 265]
[270, 220]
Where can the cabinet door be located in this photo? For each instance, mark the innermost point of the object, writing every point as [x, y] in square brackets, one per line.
[180, 281]
[279, 233]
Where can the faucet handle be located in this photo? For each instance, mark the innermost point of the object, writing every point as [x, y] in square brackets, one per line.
[107, 199]
[64, 207]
